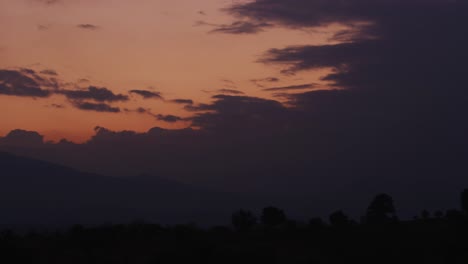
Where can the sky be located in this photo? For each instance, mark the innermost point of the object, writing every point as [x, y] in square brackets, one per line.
[168, 47]
[327, 102]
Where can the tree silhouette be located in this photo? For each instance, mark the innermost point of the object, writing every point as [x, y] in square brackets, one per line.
[339, 219]
[464, 201]
[316, 223]
[439, 214]
[425, 214]
[381, 210]
[243, 220]
[272, 216]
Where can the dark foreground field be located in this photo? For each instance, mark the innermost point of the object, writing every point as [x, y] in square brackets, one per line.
[380, 238]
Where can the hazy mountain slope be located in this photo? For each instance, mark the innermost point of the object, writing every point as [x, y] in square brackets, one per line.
[33, 192]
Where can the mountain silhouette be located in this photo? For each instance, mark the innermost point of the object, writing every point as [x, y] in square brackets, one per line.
[37, 193]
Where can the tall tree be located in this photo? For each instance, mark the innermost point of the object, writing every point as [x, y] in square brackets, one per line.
[381, 210]
[464, 201]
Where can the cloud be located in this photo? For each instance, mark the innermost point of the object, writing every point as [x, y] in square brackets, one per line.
[27, 71]
[168, 118]
[182, 101]
[260, 82]
[237, 27]
[49, 72]
[314, 13]
[20, 137]
[378, 53]
[291, 87]
[21, 83]
[165, 118]
[58, 106]
[299, 58]
[88, 26]
[139, 110]
[99, 107]
[228, 112]
[42, 27]
[241, 27]
[229, 84]
[229, 91]
[94, 93]
[271, 79]
[147, 94]
[142, 110]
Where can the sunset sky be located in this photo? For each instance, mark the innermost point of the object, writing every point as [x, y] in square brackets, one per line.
[318, 100]
[174, 48]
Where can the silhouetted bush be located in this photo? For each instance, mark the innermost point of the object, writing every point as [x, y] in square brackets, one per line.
[243, 220]
[272, 216]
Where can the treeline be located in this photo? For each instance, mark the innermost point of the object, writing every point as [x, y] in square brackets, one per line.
[270, 237]
[380, 211]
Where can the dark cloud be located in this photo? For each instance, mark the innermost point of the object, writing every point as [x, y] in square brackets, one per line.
[230, 91]
[412, 55]
[313, 57]
[94, 93]
[49, 72]
[291, 87]
[142, 110]
[168, 118]
[88, 26]
[271, 79]
[99, 107]
[21, 83]
[165, 118]
[228, 112]
[313, 13]
[19, 137]
[147, 94]
[237, 27]
[139, 110]
[182, 101]
[241, 27]
[27, 71]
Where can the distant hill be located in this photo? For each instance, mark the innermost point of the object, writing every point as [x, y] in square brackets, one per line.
[37, 193]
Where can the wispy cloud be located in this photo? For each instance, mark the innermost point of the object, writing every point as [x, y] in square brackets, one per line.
[291, 87]
[99, 107]
[236, 27]
[147, 94]
[94, 93]
[88, 26]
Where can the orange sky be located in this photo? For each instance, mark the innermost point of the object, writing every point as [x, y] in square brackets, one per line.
[140, 44]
